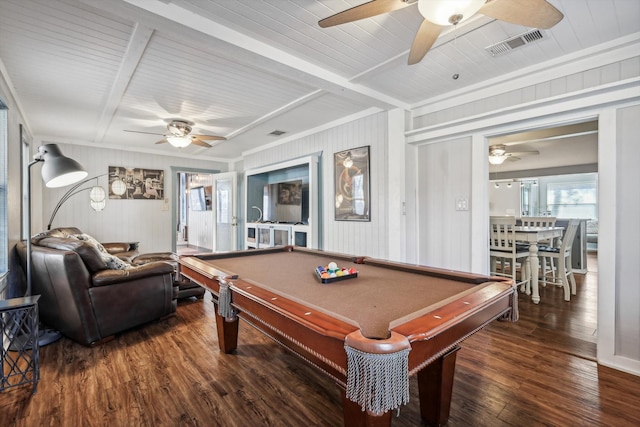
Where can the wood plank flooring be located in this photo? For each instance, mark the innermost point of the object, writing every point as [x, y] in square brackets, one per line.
[539, 371]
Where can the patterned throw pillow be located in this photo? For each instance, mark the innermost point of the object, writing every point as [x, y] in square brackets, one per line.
[112, 262]
[116, 263]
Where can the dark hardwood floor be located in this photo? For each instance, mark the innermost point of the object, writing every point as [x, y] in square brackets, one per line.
[539, 371]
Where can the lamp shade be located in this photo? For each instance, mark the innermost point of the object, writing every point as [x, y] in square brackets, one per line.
[97, 194]
[58, 170]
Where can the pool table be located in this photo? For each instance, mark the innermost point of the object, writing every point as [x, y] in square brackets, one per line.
[370, 333]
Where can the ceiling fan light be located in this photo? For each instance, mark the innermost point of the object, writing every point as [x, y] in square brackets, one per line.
[179, 141]
[449, 12]
[497, 160]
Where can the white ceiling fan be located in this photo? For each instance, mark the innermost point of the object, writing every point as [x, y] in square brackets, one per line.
[180, 135]
[498, 154]
[441, 13]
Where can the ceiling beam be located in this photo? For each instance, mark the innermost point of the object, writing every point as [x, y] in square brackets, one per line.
[137, 45]
[214, 29]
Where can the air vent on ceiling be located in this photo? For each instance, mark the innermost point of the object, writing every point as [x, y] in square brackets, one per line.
[514, 42]
[277, 132]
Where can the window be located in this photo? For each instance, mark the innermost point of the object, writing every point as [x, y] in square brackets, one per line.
[577, 199]
[561, 196]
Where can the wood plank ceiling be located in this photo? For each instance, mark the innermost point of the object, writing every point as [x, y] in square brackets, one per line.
[87, 70]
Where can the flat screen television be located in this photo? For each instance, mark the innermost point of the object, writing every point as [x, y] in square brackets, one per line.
[197, 199]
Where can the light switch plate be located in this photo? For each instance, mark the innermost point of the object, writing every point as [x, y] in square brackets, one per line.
[462, 204]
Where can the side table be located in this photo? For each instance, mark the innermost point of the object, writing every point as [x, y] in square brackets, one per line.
[19, 338]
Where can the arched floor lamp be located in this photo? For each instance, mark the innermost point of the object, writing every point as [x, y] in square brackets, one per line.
[97, 196]
[57, 171]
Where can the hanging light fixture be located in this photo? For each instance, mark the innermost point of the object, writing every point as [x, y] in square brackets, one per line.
[97, 197]
[179, 141]
[449, 12]
[497, 154]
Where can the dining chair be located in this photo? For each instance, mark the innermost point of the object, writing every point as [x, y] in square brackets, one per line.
[543, 221]
[563, 255]
[503, 245]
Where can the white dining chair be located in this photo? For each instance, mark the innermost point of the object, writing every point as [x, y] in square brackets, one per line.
[543, 221]
[503, 246]
[563, 255]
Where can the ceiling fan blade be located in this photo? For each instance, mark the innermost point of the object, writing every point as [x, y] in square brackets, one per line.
[162, 141]
[196, 141]
[148, 133]
[211, 137]
[425, 38]
[529, 13]
[523, 153]
[513, 158]
[366, 10]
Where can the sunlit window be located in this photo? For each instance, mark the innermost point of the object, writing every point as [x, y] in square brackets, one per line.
[572, 200]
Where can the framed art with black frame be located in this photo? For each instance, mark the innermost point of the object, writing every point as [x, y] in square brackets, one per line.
[352, 184]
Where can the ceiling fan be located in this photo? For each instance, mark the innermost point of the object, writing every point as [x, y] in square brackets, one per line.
[180, 135]
[440, 13]
[498, 154]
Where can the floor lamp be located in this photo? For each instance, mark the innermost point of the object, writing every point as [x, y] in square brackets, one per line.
[97, 196]
[57, 171]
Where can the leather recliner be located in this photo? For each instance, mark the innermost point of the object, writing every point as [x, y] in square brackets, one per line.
[88, 302]
[129, 252]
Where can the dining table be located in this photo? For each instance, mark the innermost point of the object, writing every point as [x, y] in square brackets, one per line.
[532, 236]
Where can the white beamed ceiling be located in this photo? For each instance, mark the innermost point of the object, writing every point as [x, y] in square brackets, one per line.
[84, 71]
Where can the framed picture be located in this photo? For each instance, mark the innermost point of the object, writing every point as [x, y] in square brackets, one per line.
[136, 183]
[352, 192]
[290, 193]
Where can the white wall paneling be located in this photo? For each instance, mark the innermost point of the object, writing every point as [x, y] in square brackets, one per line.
[397, 188]
[618, 253]
[628, 233]
[444, 176]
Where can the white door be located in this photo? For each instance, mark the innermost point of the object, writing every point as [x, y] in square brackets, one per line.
[226, 229]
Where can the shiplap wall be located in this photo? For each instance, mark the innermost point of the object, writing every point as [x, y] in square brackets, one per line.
[145, 221]
[352, 237]
[444, 176]
[628, 234]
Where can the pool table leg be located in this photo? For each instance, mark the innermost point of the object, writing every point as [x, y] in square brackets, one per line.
[227, 332]
[435, 386]
[354, 416]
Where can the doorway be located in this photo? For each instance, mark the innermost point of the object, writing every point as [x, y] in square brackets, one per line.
[204, 213]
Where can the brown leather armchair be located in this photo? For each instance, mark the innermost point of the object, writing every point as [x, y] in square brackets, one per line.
[85, 300]
[129, 252]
